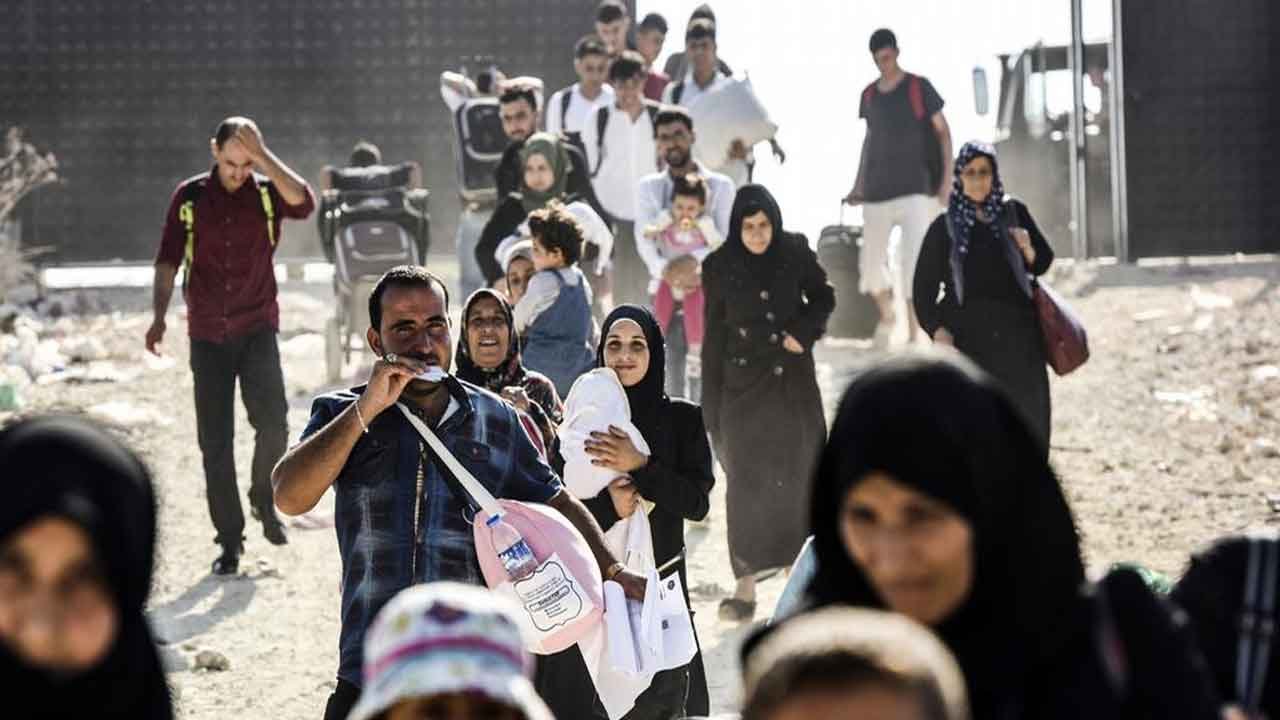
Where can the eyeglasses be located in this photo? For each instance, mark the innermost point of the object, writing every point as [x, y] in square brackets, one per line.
[976, 174]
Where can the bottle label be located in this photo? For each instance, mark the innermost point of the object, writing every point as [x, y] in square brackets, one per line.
[551, 596]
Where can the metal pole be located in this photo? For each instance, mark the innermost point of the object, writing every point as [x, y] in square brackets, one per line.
[1079, 178]
[1119, 173]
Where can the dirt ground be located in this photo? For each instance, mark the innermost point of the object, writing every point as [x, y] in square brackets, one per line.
[1166, 439]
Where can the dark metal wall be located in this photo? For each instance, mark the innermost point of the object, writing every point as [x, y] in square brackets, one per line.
[127, 93]
[1202, 126]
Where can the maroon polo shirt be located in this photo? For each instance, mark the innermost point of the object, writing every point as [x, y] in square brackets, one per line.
[231, 291]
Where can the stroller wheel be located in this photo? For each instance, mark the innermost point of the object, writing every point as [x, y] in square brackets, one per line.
[334, 350]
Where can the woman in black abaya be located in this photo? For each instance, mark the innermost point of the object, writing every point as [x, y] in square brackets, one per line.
[767, 303]
[933, 498]
[77, 533]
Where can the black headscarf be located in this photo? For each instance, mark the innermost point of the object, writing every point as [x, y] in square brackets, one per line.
[510, 371]
[750, 200]
[66, 468]
[939, 425]
[648, 396]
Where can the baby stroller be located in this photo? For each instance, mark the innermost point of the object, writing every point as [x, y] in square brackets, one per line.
[370, 222]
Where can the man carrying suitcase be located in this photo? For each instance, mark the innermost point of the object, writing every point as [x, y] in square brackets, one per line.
[903, 175]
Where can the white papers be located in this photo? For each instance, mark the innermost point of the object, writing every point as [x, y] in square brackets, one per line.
[721, 116]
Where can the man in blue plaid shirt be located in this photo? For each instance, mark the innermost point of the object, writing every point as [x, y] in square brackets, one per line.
[399, 521]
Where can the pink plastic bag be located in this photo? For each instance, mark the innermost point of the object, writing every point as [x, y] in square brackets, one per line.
[556, 620]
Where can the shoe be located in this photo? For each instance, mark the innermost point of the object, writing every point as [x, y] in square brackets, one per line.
[736, 609]
[272, 527]
[274, 532]
[228, 563]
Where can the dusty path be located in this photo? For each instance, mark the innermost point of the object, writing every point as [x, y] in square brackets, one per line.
[1165, 439]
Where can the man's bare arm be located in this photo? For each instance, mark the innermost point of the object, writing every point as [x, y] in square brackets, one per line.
[943, 131]
[161, 293]
[290, 185]
[578, 514]
[859, 187]
[305, 472]
[309, 468]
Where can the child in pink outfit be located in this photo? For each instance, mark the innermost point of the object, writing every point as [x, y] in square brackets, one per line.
[683, 230]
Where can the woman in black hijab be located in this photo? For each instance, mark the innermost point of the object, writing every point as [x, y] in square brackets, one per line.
[767, 304]
[933, 499]
[488, 356]
[676, 478]
[77, 534]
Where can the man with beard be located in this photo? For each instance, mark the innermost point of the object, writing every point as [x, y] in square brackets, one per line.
[399, 520]
[518, 107]
[674, 137]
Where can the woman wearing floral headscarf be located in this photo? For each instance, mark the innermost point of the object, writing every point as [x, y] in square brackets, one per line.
[984, 252]
[488, 356]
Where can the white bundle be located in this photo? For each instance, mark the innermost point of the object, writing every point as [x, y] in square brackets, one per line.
[732, 112]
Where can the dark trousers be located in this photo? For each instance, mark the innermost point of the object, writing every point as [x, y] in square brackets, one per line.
[255, 360]
[344, 697]
[681, 383]
[630, 275]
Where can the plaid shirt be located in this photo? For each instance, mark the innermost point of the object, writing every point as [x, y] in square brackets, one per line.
[376, 501]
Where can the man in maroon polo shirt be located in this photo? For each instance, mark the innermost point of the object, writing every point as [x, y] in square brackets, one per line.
[222, 228]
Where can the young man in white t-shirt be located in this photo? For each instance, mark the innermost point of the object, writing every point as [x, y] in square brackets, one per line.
[569, 107]
[618, 159]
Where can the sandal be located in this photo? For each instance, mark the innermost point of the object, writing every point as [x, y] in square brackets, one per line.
[737, 609]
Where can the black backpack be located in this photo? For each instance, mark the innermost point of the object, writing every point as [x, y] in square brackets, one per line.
[602, 122]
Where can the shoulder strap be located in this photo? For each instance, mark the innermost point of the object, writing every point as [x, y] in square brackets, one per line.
[602, 122]
[677, 92]
[1257, 621]
[477, 492]
[566, 98]
[187, 215]
[652, 108]
[916, 92]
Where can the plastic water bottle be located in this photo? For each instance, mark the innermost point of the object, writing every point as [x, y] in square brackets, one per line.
[517, 559]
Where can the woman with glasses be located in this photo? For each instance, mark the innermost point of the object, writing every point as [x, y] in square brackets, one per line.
[488, 356]
[983, 252]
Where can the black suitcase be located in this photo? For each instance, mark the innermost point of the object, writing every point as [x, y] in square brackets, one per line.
[856, 314]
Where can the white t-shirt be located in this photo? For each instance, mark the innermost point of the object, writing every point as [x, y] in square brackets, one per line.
[579, 108]
[629, 154]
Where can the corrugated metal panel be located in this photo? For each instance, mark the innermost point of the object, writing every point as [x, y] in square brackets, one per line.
[126, 94]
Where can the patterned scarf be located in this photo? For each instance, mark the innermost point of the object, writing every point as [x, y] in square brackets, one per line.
[962, 211]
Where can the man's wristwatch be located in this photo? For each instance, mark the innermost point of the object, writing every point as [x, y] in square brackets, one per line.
[613, 570]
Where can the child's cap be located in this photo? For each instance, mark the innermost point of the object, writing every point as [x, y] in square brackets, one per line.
[444, 638]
